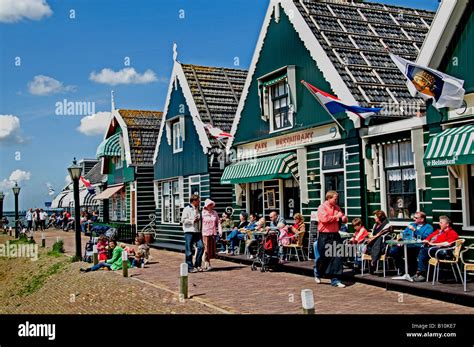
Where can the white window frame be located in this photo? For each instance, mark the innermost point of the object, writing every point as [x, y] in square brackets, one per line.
[323, 173]
[175, 220]
[177, 125]
[290, 108]
[267, 111]
[383, 182]
[468, 222]
[190, 182]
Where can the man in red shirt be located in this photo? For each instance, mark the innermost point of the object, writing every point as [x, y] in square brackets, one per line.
[443, 237]
[330, 218]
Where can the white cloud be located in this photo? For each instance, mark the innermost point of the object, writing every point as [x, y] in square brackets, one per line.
[95, 124]
[16, 176]
[10, 128]
[45, 85]
[15, 10]
[127, 75]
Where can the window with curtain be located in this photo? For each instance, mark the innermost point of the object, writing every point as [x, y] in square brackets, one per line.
[281, 117]
[171, 205]
[400, 180]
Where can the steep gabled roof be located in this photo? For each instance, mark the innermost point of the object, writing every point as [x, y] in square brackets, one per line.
[356, 36]
[142, 130]
[212, 95]
[348, 42]
[216, 92]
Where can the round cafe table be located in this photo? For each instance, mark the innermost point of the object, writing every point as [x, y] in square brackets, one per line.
[405, 244]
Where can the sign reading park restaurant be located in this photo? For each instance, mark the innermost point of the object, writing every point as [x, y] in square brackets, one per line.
[287, 142]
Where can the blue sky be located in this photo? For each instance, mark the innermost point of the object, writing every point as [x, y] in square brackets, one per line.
[58, 54]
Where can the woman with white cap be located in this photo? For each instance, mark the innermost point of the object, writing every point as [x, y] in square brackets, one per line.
[211, 225]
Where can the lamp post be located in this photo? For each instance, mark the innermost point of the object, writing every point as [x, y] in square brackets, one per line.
[16, 192]
[75, 173]
[1, 209]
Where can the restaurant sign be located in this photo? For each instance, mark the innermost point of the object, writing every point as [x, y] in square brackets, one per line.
[290, 141]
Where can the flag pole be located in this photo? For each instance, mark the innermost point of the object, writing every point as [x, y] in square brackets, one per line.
[324, 106]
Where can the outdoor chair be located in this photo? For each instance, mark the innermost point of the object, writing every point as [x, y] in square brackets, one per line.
[384, 258]
[468, 265]
[436, 261]
[297, 247]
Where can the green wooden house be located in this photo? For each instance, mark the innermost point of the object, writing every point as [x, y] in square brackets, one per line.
[127, 159]
[188, 159]
[449, 134]
[280, 128]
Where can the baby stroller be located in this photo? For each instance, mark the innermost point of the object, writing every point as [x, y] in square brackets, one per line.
[89, 251]
[267, 252]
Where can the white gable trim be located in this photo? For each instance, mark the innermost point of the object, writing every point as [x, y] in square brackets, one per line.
[198, 124]
[116, 115]
[253, 66]
[178, 75]
[441, 32]
[171, 85]
[318, 54]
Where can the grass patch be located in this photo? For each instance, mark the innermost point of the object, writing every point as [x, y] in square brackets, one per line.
[57, 250]
[22, 241]
[35, 282]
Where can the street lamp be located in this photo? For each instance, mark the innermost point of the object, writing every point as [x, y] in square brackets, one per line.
[16, 192]
[1, 209]
[75, 173]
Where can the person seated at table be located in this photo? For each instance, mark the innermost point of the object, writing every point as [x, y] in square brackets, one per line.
[418, 230]
[376, 244]
[226, 221]
[238, 233]
[227, 224]
[252, 243]
[114, 263]
[298, 228]
[361, 234]
[437, 240]
[275, 219]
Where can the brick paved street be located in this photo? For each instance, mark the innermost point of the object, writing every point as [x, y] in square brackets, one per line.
[229, 287]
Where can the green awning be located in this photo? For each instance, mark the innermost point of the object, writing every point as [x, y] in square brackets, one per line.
[453, 146]
[280, 166]
[274, 81]
[109, 147]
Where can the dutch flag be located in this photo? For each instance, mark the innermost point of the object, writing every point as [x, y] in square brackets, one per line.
[217, 133]
[334, 105]
[88, 185]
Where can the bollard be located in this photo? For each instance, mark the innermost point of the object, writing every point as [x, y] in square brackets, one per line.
[95, 255]
[57, 238]
[10, 231]
[183, 281]
[43, 240]
[307, 301]
[125, 263]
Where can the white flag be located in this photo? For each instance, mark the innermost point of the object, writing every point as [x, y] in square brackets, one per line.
[444, 90]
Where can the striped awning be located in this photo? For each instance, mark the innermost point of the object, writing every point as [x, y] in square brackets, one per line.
[109, 147]
[66, 199]
[453, 146]
[85, 198]
[56, 201]
[280, 166]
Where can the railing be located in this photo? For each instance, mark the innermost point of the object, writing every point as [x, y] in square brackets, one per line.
[126, 232]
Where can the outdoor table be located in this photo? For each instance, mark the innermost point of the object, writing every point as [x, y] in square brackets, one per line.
[345, 235]
[405, 244]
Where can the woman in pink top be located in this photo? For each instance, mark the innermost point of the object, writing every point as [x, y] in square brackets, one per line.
[330, 218]
[211, 225]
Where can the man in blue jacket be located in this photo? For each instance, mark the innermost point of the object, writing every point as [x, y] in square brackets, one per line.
[418, 230]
